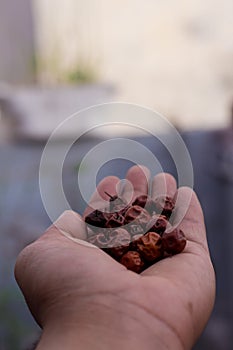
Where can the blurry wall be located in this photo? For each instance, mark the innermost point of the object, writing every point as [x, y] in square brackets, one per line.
[173, 56]
[68, 38]
[17, 62]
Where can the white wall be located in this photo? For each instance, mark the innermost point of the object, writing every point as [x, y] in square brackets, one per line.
[173, 56]
[16, 42]
[67, 35]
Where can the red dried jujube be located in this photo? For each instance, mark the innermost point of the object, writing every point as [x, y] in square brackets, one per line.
[136, 235]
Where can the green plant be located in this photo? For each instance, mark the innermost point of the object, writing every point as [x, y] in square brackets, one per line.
[81, 74]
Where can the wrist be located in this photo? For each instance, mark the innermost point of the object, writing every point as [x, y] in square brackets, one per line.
[107, 325]
[60, 338]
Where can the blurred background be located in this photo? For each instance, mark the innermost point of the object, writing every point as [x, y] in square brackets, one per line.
[57, 58]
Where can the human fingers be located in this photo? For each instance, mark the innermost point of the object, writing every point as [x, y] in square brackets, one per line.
[188, 216]
[100, 198]
[188, 277]
[163, 184]
[137, 182]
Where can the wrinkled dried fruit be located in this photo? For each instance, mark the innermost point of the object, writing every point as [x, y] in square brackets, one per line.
[121, 209]
[138, 215]
[149, 246]
[157, 223]
[119, 241]
[146, 202]
[136, 235]
[115, 220]
[174, 242]
[135, 229]
[164, 205]
[97, 218]
[132, 260]
[115, 202]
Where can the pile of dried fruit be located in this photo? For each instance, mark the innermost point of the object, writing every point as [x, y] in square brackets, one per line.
[136, 235]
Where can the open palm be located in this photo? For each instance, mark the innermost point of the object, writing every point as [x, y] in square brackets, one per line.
[167, 305]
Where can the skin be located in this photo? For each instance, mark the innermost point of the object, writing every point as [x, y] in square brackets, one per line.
[83, 299]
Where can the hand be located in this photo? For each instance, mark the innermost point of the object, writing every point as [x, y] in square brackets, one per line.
[84, 299]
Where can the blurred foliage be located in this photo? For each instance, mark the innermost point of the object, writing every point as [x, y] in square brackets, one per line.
[52, 69]
[82, 74]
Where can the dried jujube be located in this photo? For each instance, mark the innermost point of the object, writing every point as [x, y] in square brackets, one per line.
[136, 235]
[115, 220]
[149, 246]
[164, 205]
[146, 202]
[173, 242]
[133, 261]
[119, 241]
[97, 218]
[157, 223]
[135, 229]
[137, 214]
[115, 202]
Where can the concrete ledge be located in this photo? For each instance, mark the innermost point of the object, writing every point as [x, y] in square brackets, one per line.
[34, 112]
